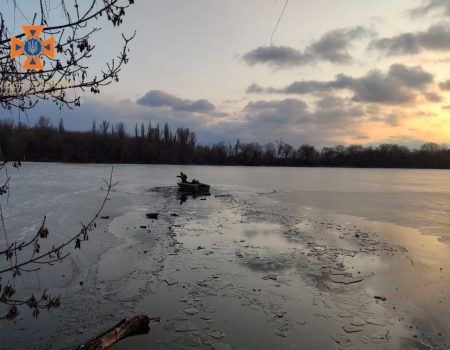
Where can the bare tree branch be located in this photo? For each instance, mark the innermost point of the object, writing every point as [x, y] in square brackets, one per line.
[64, 76]
[16, 252]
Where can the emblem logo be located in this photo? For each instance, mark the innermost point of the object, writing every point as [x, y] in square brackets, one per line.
[33, 47]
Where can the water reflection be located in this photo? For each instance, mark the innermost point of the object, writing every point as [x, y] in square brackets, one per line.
[183, 196]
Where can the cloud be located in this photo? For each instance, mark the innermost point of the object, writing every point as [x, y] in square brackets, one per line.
[376, 87]
[433, 97]
[333, 47]
[298, 87]
[157, 98]
[435, 38]
[337, 112]
[277, 112]
[329, 120]
[256, 89]
[327, 110]
[400, 85]
[393, 119]
[445, 85]
[412, 77]
[114, 111]
[428, 6]
[277, 56]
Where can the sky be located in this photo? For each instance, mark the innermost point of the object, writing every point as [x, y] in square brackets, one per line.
[334, 72]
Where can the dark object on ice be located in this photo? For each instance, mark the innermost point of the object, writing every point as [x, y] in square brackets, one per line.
[193, 187]
[346, 280]
[126, 328]
[380, 298]
[104, 217]
[183, 177]
[152, 216]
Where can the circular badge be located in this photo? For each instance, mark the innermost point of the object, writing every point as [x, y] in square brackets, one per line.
[33, 47]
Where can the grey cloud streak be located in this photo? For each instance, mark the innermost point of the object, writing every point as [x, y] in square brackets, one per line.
[333, 47]
[400, 85]
[277, 113]
[278, 56]
[429, 6]
[435, 38]
[157, 98]
[445, 85]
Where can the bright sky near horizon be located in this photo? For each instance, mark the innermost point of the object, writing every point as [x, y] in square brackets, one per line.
[338, 71]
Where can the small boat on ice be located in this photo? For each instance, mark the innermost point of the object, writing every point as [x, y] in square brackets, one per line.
[194, 187]
[190, 187]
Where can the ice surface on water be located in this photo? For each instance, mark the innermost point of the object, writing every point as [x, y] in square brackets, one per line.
[418, 198]
[265, 230]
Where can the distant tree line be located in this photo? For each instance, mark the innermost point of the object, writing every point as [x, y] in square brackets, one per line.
[152, 144]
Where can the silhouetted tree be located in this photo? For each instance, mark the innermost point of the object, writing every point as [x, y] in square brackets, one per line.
[104, 127]
[286, 150]
[44, 142]
[307, 155]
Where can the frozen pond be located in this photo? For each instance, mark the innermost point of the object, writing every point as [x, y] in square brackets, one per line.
[275, 258]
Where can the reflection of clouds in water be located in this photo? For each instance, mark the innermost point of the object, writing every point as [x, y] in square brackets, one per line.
[252, 233]
[269, 236]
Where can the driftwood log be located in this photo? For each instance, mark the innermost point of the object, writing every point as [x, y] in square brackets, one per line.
[125, 328]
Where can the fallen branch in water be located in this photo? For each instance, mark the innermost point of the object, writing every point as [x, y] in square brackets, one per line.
[349, 281]
[126, 328]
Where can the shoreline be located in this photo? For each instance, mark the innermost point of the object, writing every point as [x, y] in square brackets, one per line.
[239, 165]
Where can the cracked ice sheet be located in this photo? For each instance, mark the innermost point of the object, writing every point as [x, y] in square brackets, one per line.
[264, 280]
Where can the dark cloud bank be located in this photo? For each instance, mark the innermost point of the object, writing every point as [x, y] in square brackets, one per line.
[157, 98]
[441, 7]
[435, 38]
[332, 47]
[400, 85]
